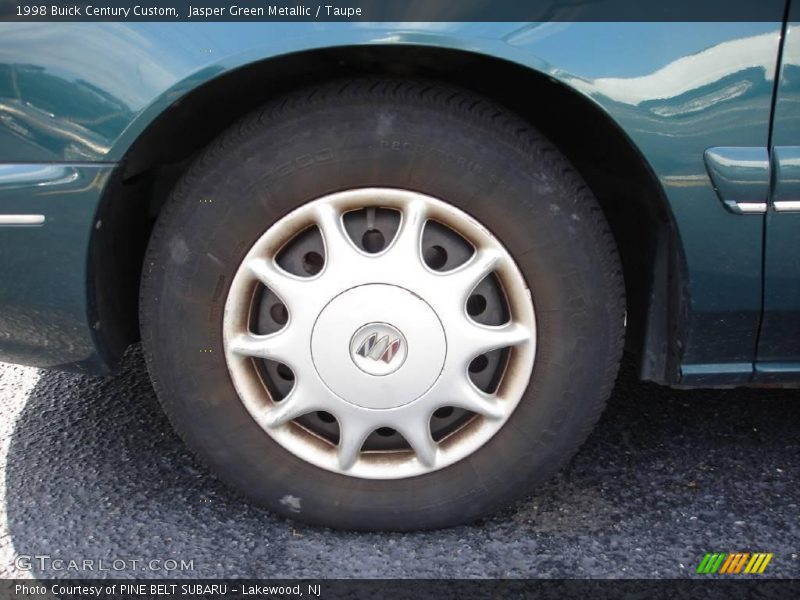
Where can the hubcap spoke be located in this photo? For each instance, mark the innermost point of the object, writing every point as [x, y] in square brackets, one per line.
[480, 339]
[468, 397]
[466, 277]
[337, 243]
[298, 402]
[271, 347]
[289, 288]
[417, 432]
[407, 242]
[352, 435]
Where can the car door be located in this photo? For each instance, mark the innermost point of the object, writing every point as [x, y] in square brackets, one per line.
[779, 342]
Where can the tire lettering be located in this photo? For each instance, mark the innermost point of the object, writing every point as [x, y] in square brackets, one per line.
[302, 162]
[438, 155]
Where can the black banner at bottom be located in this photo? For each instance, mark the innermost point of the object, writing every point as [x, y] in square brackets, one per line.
[400, 589]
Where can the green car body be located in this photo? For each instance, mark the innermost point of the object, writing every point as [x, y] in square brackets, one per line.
[689, 133]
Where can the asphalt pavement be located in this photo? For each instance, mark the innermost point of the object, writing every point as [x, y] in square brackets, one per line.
[93, 471]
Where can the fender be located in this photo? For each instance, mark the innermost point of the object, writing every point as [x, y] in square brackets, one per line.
[86, 92]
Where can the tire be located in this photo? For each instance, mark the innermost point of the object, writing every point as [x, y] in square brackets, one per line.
[446, 144]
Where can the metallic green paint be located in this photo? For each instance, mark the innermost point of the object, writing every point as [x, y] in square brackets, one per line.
[43, 297]
[786, 162]
[779, 342]
[87, 91]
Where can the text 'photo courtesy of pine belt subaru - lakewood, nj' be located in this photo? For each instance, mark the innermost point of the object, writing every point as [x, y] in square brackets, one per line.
[384, 273]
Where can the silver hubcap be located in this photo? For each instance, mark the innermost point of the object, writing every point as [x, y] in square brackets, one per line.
[378, 341]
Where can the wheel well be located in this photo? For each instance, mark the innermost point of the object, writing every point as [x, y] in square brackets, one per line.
[629, 193]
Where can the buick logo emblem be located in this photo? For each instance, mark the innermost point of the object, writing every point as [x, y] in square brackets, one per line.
[378, 348]
[384, 349]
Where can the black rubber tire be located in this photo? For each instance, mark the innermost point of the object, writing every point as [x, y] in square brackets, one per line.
[427, 137]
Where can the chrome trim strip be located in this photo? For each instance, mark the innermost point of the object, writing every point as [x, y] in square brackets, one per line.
[21, 220]
[748, 208]
[753, 207]
[786, 205]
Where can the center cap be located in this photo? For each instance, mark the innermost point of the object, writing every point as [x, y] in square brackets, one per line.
[378, 346]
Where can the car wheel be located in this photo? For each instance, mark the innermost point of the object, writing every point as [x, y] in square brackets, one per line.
[382, 304]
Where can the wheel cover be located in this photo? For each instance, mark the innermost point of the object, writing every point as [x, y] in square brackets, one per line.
[379, 340]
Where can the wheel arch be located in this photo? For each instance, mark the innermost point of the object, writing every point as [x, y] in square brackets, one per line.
[613, 167]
